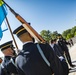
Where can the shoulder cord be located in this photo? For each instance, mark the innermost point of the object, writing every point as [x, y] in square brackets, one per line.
[43, 56]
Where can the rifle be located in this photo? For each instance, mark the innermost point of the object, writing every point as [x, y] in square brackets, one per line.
[1, 60]
[26, 25]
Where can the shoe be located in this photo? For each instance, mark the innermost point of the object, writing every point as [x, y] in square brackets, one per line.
[72, 65]
[70, 68]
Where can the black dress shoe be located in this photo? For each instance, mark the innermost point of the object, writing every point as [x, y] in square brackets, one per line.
[72, 65]
[70, 68]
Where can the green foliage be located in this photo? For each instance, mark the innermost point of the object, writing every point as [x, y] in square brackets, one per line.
[75, 34]
[73, 30]
[67, 34]
[54, 35]
[46, 34]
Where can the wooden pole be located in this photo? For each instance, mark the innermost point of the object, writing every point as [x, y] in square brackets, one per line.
[26, 25]
[11, 33]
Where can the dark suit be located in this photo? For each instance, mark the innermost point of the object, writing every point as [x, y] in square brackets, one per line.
[57, 50]
[30, 62]
[63, 44]
[7, 67]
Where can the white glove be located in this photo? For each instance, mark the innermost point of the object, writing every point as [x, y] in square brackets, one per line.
[61, 58]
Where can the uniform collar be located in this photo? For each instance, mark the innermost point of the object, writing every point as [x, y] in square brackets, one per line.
[27, 42]
[27, 45]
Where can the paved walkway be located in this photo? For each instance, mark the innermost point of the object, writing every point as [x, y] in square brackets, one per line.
[72, 51]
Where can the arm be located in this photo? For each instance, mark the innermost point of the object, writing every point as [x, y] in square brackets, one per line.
[19, 63]
[54, 62]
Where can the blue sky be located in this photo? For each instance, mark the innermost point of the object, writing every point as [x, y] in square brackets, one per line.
[53, 15]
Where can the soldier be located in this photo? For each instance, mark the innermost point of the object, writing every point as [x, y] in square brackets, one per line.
[63, 44]
[30, 61]
[7, 66]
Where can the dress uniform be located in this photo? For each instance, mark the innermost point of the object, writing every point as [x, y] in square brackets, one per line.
[7, 66]
[30, 62]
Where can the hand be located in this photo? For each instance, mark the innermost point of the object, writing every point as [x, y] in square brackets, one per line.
[61, 58]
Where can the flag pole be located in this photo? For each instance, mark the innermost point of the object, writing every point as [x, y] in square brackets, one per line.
[11, 33]
[26, 25]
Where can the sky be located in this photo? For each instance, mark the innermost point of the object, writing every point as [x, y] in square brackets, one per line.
[53, 15]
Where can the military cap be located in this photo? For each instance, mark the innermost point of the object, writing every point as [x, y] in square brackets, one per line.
[20, 30]
[6, 45]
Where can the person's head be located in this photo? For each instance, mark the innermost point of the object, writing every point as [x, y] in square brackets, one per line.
[51, 41]
[54, 40]
[23, 34]
[7, 48]
[59, 36]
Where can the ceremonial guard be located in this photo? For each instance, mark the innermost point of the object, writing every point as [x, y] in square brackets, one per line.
[8, 64]
[32, 60]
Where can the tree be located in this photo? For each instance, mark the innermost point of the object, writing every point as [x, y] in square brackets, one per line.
[73, 30]
[75, 34]
[68, 36]
[54, 35]
[46, 34]
[65, 33]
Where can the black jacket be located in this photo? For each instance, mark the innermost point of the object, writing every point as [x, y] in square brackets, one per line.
[7, 67]
[63, 44]
[30, 62]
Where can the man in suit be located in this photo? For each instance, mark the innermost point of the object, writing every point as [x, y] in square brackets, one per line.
[58, 52]
[63, 44]
[56, 48]
[8, 66]
[29, 61]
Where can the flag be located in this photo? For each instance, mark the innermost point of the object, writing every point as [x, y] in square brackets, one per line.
[3, 12]
[1, 34]
[4, 26]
